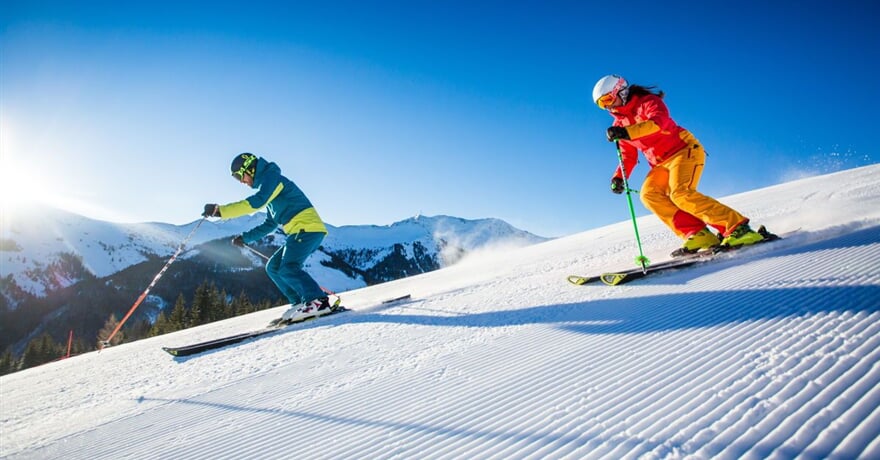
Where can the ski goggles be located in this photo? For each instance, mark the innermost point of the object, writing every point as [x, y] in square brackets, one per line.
[244, 169]
[605, 101]
[239, 175]
[608, 99]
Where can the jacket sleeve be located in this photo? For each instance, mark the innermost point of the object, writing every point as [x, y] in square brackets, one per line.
[259, 231]
[630, 155]
[657, 119]
[270, 187]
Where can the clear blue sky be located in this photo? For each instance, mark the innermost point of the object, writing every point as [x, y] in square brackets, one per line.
[132, 111]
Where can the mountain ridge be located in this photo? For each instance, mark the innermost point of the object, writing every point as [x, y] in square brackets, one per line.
[82, 271]
[107, 247]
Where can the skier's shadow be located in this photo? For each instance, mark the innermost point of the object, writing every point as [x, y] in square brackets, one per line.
[499, 435]
[663, 312]
[659, 312]
[324, 321]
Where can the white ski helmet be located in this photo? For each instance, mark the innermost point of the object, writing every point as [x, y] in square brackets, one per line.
[610, 84]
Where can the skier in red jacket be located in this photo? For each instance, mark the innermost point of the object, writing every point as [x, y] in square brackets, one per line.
[642, 122]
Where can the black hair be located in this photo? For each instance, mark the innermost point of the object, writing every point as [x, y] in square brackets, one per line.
[639, 90]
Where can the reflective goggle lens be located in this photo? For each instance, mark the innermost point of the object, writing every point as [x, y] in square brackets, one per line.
[605, 101]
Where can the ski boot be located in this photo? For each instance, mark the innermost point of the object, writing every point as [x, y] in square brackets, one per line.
[704, 239]
[742, 235]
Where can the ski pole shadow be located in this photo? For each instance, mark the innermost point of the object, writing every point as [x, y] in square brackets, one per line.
[322, 321]
[342, 422]
[809, 289]
[658, 312]
[650, 313]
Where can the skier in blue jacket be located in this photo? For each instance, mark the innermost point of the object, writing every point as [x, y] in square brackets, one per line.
[286, 207]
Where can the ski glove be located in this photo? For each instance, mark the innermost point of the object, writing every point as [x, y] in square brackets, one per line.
[238, 241]
[616, 133]
[211, 210]
[617, 185]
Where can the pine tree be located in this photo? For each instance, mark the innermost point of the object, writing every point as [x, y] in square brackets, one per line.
[207, 304]
[8, 363]
[138, 330]
[195, 311]
[228, 311]
[108, 328]
[160, 326]
[40, 350]
[218, 303]
[266, 304]
[80, 346]
[179, 318]
[241, 305]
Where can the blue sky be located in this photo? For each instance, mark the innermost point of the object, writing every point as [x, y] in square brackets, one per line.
[383, 110]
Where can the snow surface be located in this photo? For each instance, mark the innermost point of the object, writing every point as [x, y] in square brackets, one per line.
[773, 352]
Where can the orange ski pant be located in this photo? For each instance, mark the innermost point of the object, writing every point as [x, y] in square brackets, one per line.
[670, 192]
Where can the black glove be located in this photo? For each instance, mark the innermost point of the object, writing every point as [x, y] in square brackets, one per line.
[238, 241]
[616, 132]
[211, 210]
[617, 185]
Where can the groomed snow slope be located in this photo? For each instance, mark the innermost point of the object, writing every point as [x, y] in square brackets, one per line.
[773, 352]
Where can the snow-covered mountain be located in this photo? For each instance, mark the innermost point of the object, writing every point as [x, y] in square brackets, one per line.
[62, 271]
[36, 238]
[40, 245]
[424, 243]
[773, 352]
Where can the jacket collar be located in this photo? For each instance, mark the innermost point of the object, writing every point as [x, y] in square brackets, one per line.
[628, 108]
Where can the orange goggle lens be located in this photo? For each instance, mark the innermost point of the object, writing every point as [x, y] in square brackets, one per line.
[605, 101]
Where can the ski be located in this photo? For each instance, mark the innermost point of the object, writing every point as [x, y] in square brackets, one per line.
[232, 339]
[614, 279]
[625, 276]
[274, 326]
[397, 299]
[635, 273]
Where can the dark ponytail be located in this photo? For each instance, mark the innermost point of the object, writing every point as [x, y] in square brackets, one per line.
[639, 90]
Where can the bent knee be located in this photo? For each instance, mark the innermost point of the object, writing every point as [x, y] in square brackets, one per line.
[684, 195]
[652, 200]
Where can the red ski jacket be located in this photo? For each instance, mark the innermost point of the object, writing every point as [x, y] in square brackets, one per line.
[650, 130]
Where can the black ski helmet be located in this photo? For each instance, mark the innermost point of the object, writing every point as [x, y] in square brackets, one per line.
[243, 163]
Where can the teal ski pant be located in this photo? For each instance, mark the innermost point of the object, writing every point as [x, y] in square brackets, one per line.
[285, 268]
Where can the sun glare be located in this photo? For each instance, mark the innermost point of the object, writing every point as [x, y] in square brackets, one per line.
[18, 187]
[22, 186]
[19, 196]
[21, 189]
[14, 184]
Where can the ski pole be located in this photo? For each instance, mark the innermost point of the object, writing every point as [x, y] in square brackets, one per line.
[140, 299]
[264, 256]
[326, 291]
[641, 260]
